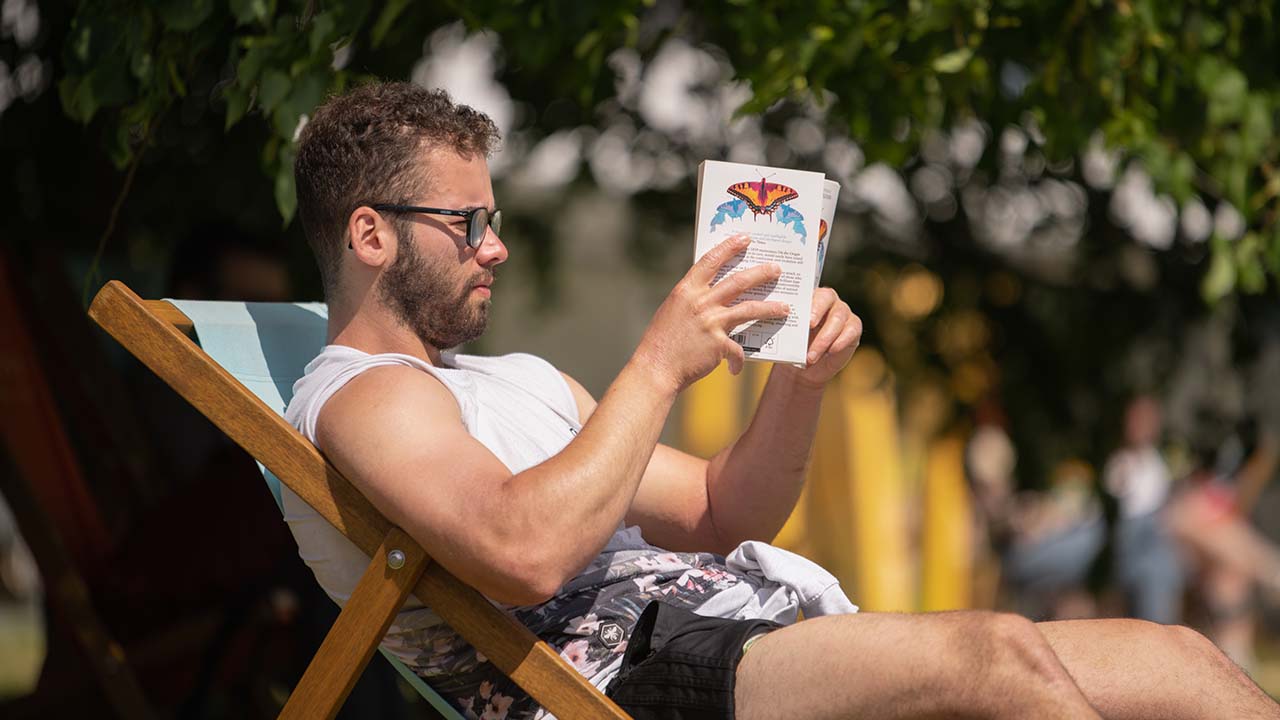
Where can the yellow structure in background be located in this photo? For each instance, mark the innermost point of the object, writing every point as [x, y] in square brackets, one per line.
[711, 413]
[853, 515]
[947, 550]
[884, 571]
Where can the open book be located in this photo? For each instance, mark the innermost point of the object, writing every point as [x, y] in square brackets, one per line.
[788, 214]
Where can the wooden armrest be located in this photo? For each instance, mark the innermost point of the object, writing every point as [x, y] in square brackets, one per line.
[169, 313]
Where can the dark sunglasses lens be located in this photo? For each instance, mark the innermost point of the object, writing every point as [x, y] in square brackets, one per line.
[477, 227]
[495, 222]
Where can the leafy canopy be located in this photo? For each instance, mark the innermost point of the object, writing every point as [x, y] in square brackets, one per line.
[1190, 88]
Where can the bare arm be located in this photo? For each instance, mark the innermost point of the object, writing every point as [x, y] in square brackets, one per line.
[748, 489]
[397, 434]
[501, 533]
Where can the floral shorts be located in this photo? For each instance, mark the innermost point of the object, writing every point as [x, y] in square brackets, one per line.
[595, 635]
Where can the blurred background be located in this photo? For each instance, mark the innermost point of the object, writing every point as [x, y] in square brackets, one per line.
[1058, 222]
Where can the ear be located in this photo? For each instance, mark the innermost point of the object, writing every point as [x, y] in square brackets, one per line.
[371, 238]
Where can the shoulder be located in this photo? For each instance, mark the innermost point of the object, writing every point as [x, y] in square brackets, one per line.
[383, 398]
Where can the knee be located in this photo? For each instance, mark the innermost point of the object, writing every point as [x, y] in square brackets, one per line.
[1196, 649]
[1015, 645]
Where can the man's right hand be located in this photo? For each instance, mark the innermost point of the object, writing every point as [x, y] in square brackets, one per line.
[689, 335]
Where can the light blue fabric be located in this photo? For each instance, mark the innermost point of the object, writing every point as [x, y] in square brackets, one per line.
[266, 346]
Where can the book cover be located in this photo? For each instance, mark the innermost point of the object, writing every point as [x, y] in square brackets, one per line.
[781, 210]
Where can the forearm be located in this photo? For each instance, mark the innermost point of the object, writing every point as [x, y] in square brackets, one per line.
[569, 505]
[754, 483]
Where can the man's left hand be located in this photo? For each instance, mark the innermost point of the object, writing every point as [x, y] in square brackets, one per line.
[834, 333]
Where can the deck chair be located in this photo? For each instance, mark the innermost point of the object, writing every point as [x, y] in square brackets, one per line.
[241, 376]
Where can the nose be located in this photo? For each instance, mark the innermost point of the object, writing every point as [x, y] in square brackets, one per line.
[492, 251]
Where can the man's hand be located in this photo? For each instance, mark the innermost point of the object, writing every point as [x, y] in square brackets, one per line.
[689, 335]
[834, 333]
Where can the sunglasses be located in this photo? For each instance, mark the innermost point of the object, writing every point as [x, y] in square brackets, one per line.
[478, 219]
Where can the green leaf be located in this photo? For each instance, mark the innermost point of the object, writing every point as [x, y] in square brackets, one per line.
[1211, 31]
[322, 28]
[251, 65]
[953, 62]
[274, 88]
[1250, 272]
[237, 105]
[822, 33]
[142, 66]
[77, 98]
[1220, 280]
[303, 97]
[253, 11]
[390, 12]
[108, 84]
[1255, 128]
[80, 42]
[1227, 96]
[1182, 176]
[185, 15]
[118, 147]
[586, 44]
[179, 87]
[1272, 252]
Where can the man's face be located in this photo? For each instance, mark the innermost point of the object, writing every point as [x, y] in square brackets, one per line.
[437, 285]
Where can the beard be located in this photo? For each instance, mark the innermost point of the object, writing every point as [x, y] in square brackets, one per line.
[425, 300]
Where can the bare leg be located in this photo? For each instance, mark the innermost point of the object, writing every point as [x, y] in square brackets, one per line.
[1226, 541]
[1137, 669]
[937, 665]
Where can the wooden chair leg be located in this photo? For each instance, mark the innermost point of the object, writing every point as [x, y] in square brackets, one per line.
[361, 625]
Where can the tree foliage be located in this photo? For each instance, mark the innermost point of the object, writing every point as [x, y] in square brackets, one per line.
[1189, 88]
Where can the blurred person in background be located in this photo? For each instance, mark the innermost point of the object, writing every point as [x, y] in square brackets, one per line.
[1056, 535]
[1146, 560]
[1046, 541]
[1229, 557]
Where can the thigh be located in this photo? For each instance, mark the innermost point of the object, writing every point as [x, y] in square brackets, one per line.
[881, 665]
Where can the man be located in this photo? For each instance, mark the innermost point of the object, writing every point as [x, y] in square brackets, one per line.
[547, 502]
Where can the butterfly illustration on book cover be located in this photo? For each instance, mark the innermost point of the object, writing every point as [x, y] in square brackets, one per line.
[761, 198]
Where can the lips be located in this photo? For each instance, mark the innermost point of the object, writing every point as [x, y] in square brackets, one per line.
[482, 286]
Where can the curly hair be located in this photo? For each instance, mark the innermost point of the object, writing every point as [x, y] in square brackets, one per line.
[365, 146]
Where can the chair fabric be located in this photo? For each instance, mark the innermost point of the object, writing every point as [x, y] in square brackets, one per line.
[266, 346]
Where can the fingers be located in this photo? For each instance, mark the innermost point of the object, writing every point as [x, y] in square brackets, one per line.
[850, 338]
[735, 355]
[823, 300]
[733, 286]
[704, 271]
[838, 331]
[752, 310]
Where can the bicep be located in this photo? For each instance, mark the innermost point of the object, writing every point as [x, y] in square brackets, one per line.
[397, 435]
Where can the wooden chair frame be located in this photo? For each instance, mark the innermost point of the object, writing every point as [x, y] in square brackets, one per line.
[157, 333]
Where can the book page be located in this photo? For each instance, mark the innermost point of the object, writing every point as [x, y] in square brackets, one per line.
[780, 210]
[830, 194]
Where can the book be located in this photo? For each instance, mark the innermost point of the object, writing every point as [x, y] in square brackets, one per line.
[788, 214]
